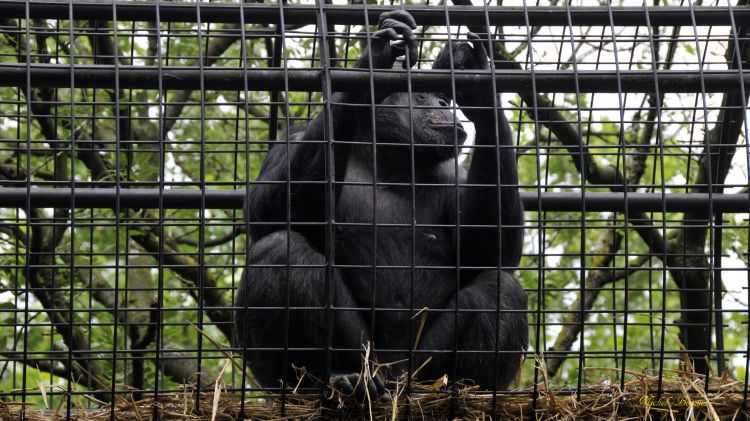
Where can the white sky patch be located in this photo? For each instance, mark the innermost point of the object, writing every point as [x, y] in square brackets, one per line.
[8, 124]
[553, 256]
[153, 111]
[226, 109]
[172, 171]
[734, 276]
[141, 41]
[6, 297]
[738, 175]
[678, 179]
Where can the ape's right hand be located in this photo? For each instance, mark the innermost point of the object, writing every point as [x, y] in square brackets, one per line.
[392, 26]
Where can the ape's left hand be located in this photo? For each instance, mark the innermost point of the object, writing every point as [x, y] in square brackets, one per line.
[468, 56]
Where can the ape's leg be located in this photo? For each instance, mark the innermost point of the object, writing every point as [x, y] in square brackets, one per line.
[479, 331]
[261, 315]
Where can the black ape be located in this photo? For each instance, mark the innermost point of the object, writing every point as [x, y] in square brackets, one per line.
[381, 261]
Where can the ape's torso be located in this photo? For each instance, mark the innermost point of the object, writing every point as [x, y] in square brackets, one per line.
[382, 233]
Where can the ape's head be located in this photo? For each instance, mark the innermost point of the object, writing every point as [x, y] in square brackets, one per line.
[429, 123]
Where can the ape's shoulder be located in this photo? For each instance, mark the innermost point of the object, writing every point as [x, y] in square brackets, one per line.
[276, 149]
[294, 133]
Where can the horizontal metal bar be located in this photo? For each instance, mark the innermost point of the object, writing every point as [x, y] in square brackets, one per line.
[147, 77]
[16, 197]
[354, 14]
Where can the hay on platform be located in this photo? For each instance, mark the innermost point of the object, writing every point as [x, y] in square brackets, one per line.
[684, 397]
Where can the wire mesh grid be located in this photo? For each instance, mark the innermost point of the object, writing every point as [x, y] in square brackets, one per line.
[132, 133]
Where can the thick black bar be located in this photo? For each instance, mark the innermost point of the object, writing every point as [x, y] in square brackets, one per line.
[15, 197]
[230, 79]
[352, 15]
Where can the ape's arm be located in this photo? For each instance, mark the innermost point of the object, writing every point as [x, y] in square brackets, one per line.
[301, 164]
[484, 205]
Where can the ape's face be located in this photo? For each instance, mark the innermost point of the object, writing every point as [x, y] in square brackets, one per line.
[429, 123]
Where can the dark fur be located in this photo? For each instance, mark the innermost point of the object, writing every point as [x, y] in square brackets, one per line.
[303, 246]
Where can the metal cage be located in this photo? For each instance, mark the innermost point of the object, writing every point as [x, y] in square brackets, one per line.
[132, 131]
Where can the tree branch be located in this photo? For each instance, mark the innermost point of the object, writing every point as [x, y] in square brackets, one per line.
[190, 241]
[48, 365]
[598, 277]
[187, 268]
[216, 47]
[42, 282]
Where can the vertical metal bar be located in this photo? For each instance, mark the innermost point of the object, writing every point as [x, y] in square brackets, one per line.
[717, 292]
[28, 236]
[330, 210]
[128, 175]
[288, 124]
[246, 221]
[202, 210]
[273, 122]
[374, 149]
[588, 131]
[582, 151]
[16, 241]
[90, 321]
[710, 188]
[312, 65]
[71, 278]
[547, 173]
[287, 286]
[658, 98]
[236, 227]
[413, 209]
[161, 102]
[625, 189]
[626, 225]
[457, 201]
[650, 263]
[496, 108]
[539, 315]
[116, 61]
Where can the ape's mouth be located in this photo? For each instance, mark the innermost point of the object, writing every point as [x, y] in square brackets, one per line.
[445, 124]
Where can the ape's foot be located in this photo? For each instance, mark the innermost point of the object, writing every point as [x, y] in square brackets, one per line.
[355, 386]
